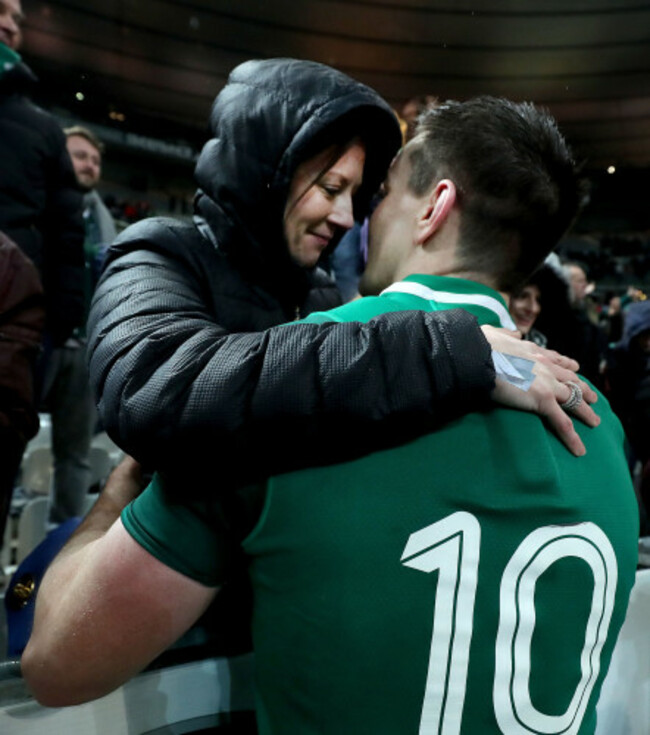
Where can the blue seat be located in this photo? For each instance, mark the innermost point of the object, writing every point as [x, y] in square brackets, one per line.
[21, 592]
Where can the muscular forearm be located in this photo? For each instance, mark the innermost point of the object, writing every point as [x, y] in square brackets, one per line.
[105, 608]
[65, 659]
[62, 646]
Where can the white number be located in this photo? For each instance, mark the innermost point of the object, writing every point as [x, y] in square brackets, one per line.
[452, 546]
[542, 548]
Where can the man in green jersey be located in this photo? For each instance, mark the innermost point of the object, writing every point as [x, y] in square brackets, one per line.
[470, 581]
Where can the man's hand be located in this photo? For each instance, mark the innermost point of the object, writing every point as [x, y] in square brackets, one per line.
[125, 483]
[549, 388]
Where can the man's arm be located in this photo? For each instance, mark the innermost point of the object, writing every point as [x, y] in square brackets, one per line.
[106, 607]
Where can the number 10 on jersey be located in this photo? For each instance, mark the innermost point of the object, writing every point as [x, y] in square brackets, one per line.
[452, 546]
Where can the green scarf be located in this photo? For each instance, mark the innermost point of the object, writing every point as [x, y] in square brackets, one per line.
[8, 59]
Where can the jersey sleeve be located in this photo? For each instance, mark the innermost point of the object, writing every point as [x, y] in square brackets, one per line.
[179, 534]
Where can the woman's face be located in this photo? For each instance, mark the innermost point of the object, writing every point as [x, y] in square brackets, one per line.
[525, 308]
[319, 205]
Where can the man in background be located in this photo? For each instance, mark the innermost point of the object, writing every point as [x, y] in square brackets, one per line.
[588, 339]
[66, 392]
[454, 583]
[86, 151]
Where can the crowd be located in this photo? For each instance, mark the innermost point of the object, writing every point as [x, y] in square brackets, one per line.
[329, 448]
[614, 261]
[557, 309]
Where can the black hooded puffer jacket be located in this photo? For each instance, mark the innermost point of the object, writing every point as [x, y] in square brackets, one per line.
[186, 365]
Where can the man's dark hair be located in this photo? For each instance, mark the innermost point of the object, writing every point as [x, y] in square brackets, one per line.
[517, 183]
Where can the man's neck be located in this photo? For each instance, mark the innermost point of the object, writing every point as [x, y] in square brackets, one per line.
[442, 265]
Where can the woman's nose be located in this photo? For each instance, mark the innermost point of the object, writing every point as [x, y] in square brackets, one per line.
[342, 213]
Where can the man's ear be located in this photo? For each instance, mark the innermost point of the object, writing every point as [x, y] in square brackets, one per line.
[439, 204]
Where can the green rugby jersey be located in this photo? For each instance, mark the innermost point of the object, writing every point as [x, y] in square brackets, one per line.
[470, 582]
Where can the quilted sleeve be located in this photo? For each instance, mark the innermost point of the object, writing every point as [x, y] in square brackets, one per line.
[175, 389]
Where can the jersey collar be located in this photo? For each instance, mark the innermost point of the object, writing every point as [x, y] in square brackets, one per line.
[457, 291]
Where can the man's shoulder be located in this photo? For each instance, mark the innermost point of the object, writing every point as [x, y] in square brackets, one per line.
[23, 103]
[358, 310]
[23, 111]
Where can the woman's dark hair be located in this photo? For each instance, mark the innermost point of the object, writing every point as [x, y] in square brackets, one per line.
[360, 124]
[339, 136]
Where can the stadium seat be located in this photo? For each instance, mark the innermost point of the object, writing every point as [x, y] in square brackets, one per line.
[32, 526]
[36, 470]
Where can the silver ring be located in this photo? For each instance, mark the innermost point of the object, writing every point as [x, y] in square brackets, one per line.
[575, 399]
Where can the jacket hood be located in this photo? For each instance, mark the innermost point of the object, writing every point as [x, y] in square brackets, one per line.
[271, 116]
[637, 320]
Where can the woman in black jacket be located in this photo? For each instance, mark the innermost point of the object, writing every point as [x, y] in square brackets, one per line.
[188, 368]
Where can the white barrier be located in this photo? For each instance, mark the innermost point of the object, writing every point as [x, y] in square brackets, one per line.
[624, 706]
[193, 693]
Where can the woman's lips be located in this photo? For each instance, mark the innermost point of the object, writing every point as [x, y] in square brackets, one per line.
[322, 240]
[526, 322]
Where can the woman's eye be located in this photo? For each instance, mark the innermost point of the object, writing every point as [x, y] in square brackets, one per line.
[330, 190]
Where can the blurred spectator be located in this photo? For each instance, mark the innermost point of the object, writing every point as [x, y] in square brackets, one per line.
[541, 309]
[40, 205]
[628, 372]
[634, 294]
[412, 109]
[66, 390]
[612, 318]
[525, 306]
[86, 152]
[134, 212]
[581, 290]
[580, 286]
[614, 261]
[22, 315]
[628, 378]
[543, 312]
[588, 340]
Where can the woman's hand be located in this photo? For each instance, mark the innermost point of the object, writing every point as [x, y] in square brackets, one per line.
[551, 375]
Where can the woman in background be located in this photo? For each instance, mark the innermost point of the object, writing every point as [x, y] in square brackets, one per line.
[525, 307]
